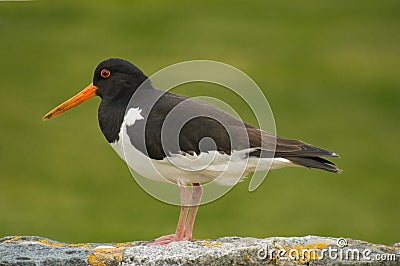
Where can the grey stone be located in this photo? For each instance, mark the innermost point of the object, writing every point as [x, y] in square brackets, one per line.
[310, 250]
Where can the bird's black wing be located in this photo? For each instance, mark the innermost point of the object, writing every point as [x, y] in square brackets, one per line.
[177, 124]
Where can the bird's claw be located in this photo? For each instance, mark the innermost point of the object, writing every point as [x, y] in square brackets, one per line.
[165, 240]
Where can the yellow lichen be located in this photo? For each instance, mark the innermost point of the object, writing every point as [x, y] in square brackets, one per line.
[15, 238]
[312, 246]
[106, 256]
[78, 245]
[213, 244]
[308, 252]
[124, 244]
[53, 244]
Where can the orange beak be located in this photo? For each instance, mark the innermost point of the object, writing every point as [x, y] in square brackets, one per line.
[85, 94]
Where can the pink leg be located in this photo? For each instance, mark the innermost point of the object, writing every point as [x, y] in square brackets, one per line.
[185, 205]
[196, 198]
[180, 229]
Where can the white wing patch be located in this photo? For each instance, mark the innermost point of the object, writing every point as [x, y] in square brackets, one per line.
[132, 116]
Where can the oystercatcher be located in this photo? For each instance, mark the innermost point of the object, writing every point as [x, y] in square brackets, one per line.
[165, 145]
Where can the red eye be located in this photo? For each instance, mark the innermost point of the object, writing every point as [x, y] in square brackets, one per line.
[105, 73]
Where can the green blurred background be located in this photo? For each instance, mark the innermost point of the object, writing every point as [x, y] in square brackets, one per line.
[330, 70]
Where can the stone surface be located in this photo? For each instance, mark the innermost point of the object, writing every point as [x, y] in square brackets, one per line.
[310, 250]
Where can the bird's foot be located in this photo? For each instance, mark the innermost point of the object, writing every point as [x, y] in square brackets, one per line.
[165, 240]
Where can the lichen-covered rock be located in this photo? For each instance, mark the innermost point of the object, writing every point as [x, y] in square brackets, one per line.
[311, 250]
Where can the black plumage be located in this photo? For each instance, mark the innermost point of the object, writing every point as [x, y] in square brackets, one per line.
[181, 134]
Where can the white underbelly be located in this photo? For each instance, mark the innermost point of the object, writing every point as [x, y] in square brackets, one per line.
[206, 167]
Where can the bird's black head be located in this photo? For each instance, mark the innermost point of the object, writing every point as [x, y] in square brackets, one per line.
[116, 78]
[115, 81]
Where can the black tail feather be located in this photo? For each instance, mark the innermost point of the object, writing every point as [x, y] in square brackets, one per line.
[315, 162]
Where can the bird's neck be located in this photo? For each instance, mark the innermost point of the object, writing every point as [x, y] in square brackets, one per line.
[111, 116]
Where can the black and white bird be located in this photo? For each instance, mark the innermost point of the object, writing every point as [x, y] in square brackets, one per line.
[173, 151]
